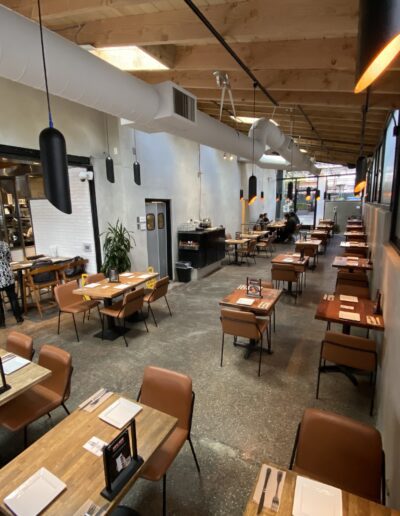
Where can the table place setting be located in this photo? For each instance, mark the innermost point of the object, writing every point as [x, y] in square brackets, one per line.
[95, 400]
[349, 299]
[245, 301]
[12, 363]
[120, 286]
[89, 508]
[314, 498]
[373, 320]
[349, 316]
[329, 297]
[92, 285]
[264, 304]
[268, 491]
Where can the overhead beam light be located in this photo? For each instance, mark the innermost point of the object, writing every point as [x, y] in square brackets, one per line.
[129, 58]
[249, 120]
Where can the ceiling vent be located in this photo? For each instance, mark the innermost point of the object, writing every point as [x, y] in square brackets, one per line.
[184, 105]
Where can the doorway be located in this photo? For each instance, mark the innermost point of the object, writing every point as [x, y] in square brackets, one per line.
[158, 229]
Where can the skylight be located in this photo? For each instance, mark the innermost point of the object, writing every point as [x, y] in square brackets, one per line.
[129, 58]
[249, 120]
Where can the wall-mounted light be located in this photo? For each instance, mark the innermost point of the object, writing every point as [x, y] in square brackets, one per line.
[378, 39]
[53, 152]
[241, 194]
[252, 189]
[308, 194]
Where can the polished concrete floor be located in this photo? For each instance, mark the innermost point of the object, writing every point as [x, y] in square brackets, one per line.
[240, 420]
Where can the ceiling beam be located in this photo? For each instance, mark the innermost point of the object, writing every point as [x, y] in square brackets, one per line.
[240, 22]
[165, 54]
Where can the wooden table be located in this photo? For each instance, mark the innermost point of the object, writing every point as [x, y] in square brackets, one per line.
[319, 234]
[329, 222]
[355, 247]
[278, 224]
[21, 380]
[235, 242]
[329, 311]
[23, 265]
[61, 452]
[354, 227]
[353, 264]
[299, 265]
[353, 505]
[309, 244]
[108, 291]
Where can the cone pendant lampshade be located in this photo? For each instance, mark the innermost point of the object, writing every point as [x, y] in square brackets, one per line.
[378, 39]
[53, 155]
[252, 189]
[241, 194]
[110, 169]
[361, 174]
[308, 194]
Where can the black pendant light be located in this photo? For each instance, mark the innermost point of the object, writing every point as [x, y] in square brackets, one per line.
[290, 190]
[378, 39]
[109, 160]
[262, 195]
[361, 165]
[53, 152]
[308, 194]
[317, 195]
[241, 194]
[136, 164]
[253, 178]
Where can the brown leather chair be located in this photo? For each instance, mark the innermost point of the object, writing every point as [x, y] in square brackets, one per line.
[286, 272]
[356, 278]
[352, 290]
[94, 278]
[160, 290]
[20, 344]
[40, 399]
[169, 392]
[131, 303]
[343, 350]
[341, 452]
[71, 303]
[248, 250]
[244, 324]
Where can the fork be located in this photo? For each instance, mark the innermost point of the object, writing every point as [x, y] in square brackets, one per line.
[275, 499]
[91, 510]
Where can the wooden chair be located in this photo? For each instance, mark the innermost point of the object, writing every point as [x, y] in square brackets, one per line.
[349, 351]
[169, 392]
[94, 278]
[356, 251]
[39, 279]
[71, 303]
[20, 344]
[248, 250]
[352, 290]
[341, 452]
[73, 270]
[269, 284]
[264, 245]
[43, 398]
[130, 304]
[246, 325]
[356, 278]
[160, 290]
[286, 272]
[229, 248]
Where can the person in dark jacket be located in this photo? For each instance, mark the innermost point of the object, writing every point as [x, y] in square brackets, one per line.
[293, 214]
[7, 284]
[289, 229]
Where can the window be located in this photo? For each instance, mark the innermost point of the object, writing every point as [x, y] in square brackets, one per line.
[388, 163]
[150, 222]
[395, 230]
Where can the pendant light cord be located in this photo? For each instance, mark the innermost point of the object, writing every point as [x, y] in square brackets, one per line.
[44, 65]
[254, 115]
[364, 122]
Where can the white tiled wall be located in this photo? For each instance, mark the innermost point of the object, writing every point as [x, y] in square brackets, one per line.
[68, 234]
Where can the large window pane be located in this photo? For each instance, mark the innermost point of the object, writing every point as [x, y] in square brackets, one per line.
[388, 164]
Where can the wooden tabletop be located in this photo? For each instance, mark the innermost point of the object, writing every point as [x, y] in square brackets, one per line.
[23, 379]
[107, 290]
[329, 311]
[61, 452]
[292, 259]
[251, 235]
[355, 227]
[355, 234]
[308, 243]
[352, 504]
[326, 221]
[270, 296]
[25, 264]
[347, 262]
[236, 241]
[349, 243]
[277, 224]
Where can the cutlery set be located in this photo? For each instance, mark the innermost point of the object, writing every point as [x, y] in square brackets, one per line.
[264, 304]
[94, 399]
[275, 500]
[329, 297]
[373, 320]
[7, 357]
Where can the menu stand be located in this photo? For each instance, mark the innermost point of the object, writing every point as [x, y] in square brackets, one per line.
[115, 485]
[4, 387]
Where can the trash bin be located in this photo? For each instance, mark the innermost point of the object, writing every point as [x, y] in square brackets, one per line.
[184, 271]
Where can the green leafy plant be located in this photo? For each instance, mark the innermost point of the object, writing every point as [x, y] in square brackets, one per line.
[118, 242]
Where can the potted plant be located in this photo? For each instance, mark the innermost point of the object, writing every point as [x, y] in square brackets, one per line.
[118, 242]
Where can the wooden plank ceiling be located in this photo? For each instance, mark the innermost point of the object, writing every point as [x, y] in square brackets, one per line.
[302, 51]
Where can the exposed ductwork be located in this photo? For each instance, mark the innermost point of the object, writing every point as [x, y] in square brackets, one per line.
[76, 75]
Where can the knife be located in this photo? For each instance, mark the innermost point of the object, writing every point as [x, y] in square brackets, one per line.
[261, 503]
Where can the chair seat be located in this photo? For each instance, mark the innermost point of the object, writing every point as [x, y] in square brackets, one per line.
[28, 407]
[112, 310]
[161, 460]
[80, 306]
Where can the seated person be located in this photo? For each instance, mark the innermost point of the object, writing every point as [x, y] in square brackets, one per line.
[293, 214]
[289, 229]
[266, 219]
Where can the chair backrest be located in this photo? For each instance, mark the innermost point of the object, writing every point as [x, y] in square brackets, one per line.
[75, 267]
[284, 272]
[133, 301]
[349, 350]
[228, 236]
[94, 278]
[239, 324]
[160, 289]
[355, 276]
[252, 245]
[169, 392]
[20, 344]
[352, 290]
[64, 294]
[340, 451]
[44, 272]
[59, 362]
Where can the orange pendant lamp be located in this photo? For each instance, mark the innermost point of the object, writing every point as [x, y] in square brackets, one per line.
[378, 39]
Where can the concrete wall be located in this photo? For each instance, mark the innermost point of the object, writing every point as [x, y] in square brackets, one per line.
[386, 277]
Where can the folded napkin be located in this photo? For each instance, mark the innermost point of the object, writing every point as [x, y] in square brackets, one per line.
[271, 488]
